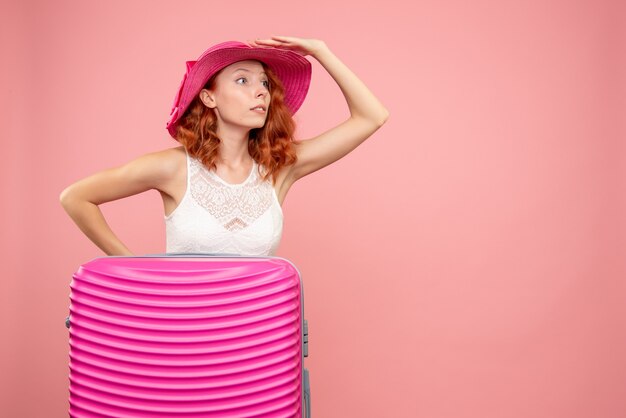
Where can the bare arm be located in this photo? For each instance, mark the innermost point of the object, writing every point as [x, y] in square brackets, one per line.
[367, 114]
[90, 220]
[81, 199]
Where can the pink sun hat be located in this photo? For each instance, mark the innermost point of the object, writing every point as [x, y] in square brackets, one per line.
[293, 70]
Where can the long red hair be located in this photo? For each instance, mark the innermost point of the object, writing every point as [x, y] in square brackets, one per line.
[270, 146]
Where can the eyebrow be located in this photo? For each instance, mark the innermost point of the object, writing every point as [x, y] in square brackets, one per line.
[243, 69]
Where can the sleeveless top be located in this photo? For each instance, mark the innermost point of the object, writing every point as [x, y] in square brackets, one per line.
[218, 217]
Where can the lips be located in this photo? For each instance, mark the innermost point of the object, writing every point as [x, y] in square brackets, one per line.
[261, 106]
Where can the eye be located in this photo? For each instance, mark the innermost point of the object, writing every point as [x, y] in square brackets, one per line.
[267, 83]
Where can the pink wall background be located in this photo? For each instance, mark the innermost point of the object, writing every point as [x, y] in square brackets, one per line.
[468, 260]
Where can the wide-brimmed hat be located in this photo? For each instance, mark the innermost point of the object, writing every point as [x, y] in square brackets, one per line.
[293, 70]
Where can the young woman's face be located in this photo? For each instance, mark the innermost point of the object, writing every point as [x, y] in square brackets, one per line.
[238, 89]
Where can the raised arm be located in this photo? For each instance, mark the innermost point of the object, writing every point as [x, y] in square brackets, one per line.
[367, 114]
[81, 199]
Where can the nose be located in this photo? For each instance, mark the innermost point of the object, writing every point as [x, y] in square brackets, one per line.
[261, 93]
[261, 90]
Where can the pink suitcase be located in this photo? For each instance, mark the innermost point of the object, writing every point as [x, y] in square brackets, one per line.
[188, 335]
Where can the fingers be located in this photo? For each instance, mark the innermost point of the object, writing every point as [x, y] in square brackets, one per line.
[257, 44]
[274, 40]
[281, 38]
[265, 42]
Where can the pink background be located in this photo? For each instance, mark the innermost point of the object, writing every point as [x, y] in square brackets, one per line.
[468, 260]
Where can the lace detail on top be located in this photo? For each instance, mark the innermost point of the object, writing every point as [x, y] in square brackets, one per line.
[235, 206]
[214, 216]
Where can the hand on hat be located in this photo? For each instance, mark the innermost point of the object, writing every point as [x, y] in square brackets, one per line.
[301, 46]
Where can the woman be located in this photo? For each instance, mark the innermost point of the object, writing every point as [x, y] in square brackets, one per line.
[223, 188]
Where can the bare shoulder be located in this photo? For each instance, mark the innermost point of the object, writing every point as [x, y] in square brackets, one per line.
[171, 159]
[171, 163]
[159, 170]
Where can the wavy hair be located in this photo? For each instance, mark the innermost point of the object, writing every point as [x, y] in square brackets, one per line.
[270, 146]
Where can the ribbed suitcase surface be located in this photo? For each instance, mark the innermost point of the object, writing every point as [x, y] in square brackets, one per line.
[188, 335]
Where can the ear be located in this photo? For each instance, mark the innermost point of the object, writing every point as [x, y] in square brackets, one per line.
[207, 98]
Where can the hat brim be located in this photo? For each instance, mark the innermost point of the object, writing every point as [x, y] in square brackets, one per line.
[293, 69]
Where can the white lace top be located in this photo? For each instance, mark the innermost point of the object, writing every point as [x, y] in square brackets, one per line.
[218, 217]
